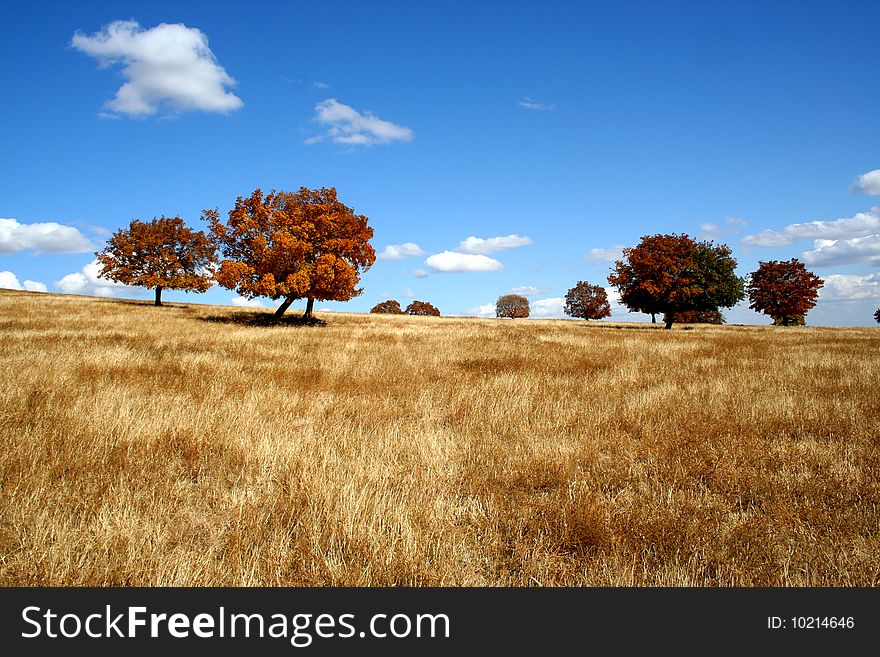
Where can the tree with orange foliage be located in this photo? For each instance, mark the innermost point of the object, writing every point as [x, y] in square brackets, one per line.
[700, 317]
[390, 307]
[161, 254]
[514, 306]
[587, 301]
[422, 308]
[672, 273]
[293, 245]
[785, 290]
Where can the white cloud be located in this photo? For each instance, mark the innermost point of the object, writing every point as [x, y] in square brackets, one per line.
[243, 302]
[46, 237]
[716, 232]
[600, 256]
[345, 125]
[401, 251]
[483, 310]
[844, 252]
[536, 105]
[89, 282]
[408, 294]
[167, 65]
[551, 307]
[451, 261]
[859, 225]
[850, 287]
[9, 281]
[420, 273]
[867, 183]
[530, 290]
[478, 245]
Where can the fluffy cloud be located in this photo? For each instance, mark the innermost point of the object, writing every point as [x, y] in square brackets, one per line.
[844, 252]
[89, 282]
[452, 261]
[601, 256]
[167, 65]
[717, 232]
[536, 105]
[9, 281]
[551, 307]
[483, 310]
[867, 183]
[401, 251]
[860, 225]
[345, 125]
[46, 237]
[242, 302]
[478, 245]
[850, 287]
[530, 290]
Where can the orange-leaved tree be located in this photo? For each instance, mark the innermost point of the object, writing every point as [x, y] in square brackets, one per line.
[293, 245]
[671, 274]
[783, 289]
[422, 308]
[699, 317]
[587, 301]
[512, 305]
[390, 307]
[159, 254]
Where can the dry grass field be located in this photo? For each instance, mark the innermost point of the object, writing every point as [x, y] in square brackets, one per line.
[190, 445]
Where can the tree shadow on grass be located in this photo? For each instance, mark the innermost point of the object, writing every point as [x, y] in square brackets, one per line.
[257, 318]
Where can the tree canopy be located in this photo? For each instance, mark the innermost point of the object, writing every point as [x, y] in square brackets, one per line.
[390, 307]
[587, 301]
[672, 273]
[784, 290]
[700, 317]
[512, 305]
[422, 308]
[159, 254]
[293, 245]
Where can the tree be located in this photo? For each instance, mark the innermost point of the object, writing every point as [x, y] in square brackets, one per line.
[877, 315]
[699, 317]
[389, 307]
[784, 290]
[512, 305]
[671, 274]
[587, 301]
[159, 254]
[422, 308]
[293, 245]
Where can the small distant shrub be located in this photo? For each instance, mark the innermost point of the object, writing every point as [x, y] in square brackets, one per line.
[390, 307]
[422, 308]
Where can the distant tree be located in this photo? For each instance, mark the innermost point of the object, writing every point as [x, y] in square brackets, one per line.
[159, 254]
[699, 317]
[587, 301]
[784, 290]
[671, 274]
[293, 245]
[422, 308]
[514, 306]
[389, 307]
[877, 315]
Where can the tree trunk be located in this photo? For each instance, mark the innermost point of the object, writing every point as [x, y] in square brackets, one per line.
[158, 301]
[309, 305]
[284, 306]
[669, 318]
[653, 318]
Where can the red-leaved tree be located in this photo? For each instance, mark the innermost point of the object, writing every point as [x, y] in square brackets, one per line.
[671, 274]
[587, 301]
[293, 245]
[159, 254]
[390, 307]
[514, 306]
[422, 308]
[784, 290]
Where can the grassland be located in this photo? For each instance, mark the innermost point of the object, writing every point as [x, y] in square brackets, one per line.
[190, 445]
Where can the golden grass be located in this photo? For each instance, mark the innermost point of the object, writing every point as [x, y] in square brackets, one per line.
[184, 446]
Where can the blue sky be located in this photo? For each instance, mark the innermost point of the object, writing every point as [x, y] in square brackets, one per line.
[554, 133]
